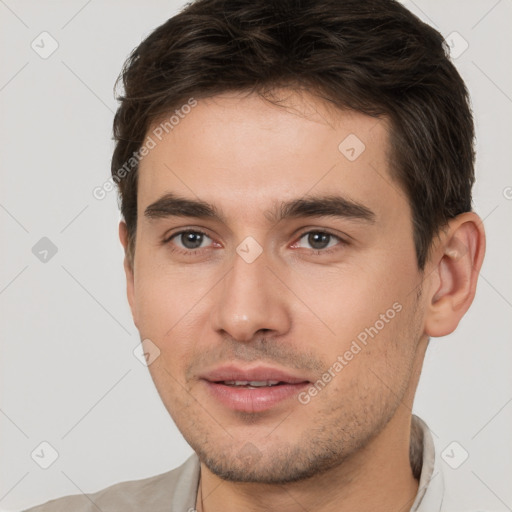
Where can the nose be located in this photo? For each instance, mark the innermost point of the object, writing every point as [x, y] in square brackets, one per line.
[251, 300]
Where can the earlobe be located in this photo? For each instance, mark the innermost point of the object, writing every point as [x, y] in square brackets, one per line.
[128, 269]
[459, 255]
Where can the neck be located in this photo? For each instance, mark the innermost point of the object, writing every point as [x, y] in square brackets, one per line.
[377, 477]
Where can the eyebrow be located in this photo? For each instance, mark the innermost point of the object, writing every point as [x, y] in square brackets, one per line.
[172, 205]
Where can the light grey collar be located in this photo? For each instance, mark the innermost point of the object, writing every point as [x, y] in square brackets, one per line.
[431, 484]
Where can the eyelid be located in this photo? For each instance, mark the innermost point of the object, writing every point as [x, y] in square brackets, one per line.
[168, 237]
[342, 239]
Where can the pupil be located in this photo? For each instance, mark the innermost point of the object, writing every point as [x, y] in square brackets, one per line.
[318, 240]
[192, 240]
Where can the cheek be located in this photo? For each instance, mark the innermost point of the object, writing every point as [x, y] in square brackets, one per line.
[164, 297]
[372, 370]
[175, 394]
[171, 309]
[374, 326]
[349, 302]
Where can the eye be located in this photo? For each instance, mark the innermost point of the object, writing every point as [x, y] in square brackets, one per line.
[189, 240]
[319, 241]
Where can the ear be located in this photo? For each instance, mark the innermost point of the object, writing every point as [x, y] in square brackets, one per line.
[457, 259]
[128, 269]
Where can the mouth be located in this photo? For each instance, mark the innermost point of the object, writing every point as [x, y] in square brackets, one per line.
[254, 389]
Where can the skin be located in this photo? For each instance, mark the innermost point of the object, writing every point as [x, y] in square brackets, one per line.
[293, 307]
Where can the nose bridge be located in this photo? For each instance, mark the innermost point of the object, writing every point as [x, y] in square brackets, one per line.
[250, 297]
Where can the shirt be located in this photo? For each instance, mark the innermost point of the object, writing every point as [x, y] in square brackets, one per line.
[176, 490]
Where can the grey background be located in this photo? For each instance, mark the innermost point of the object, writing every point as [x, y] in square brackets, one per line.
[67, 369]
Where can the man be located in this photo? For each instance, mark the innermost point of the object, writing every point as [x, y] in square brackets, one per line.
[295, 183]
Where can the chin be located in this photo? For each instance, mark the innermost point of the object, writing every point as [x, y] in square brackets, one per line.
[281, 466]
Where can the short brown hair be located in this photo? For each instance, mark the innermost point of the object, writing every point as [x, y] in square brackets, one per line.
[372, 56]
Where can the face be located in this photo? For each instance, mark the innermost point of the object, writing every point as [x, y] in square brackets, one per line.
[275, 276]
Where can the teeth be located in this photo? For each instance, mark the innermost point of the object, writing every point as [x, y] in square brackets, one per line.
[251, 383]
[257, 383]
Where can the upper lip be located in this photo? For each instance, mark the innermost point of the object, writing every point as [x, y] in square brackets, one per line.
[256, 373]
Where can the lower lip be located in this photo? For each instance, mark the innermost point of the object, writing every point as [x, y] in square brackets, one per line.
[253, 400]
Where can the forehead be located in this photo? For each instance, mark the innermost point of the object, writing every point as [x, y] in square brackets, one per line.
[245, 154]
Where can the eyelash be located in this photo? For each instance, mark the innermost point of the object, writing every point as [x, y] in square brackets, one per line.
[192, 252]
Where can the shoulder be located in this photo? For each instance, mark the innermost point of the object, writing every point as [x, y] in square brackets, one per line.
[152, 494]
